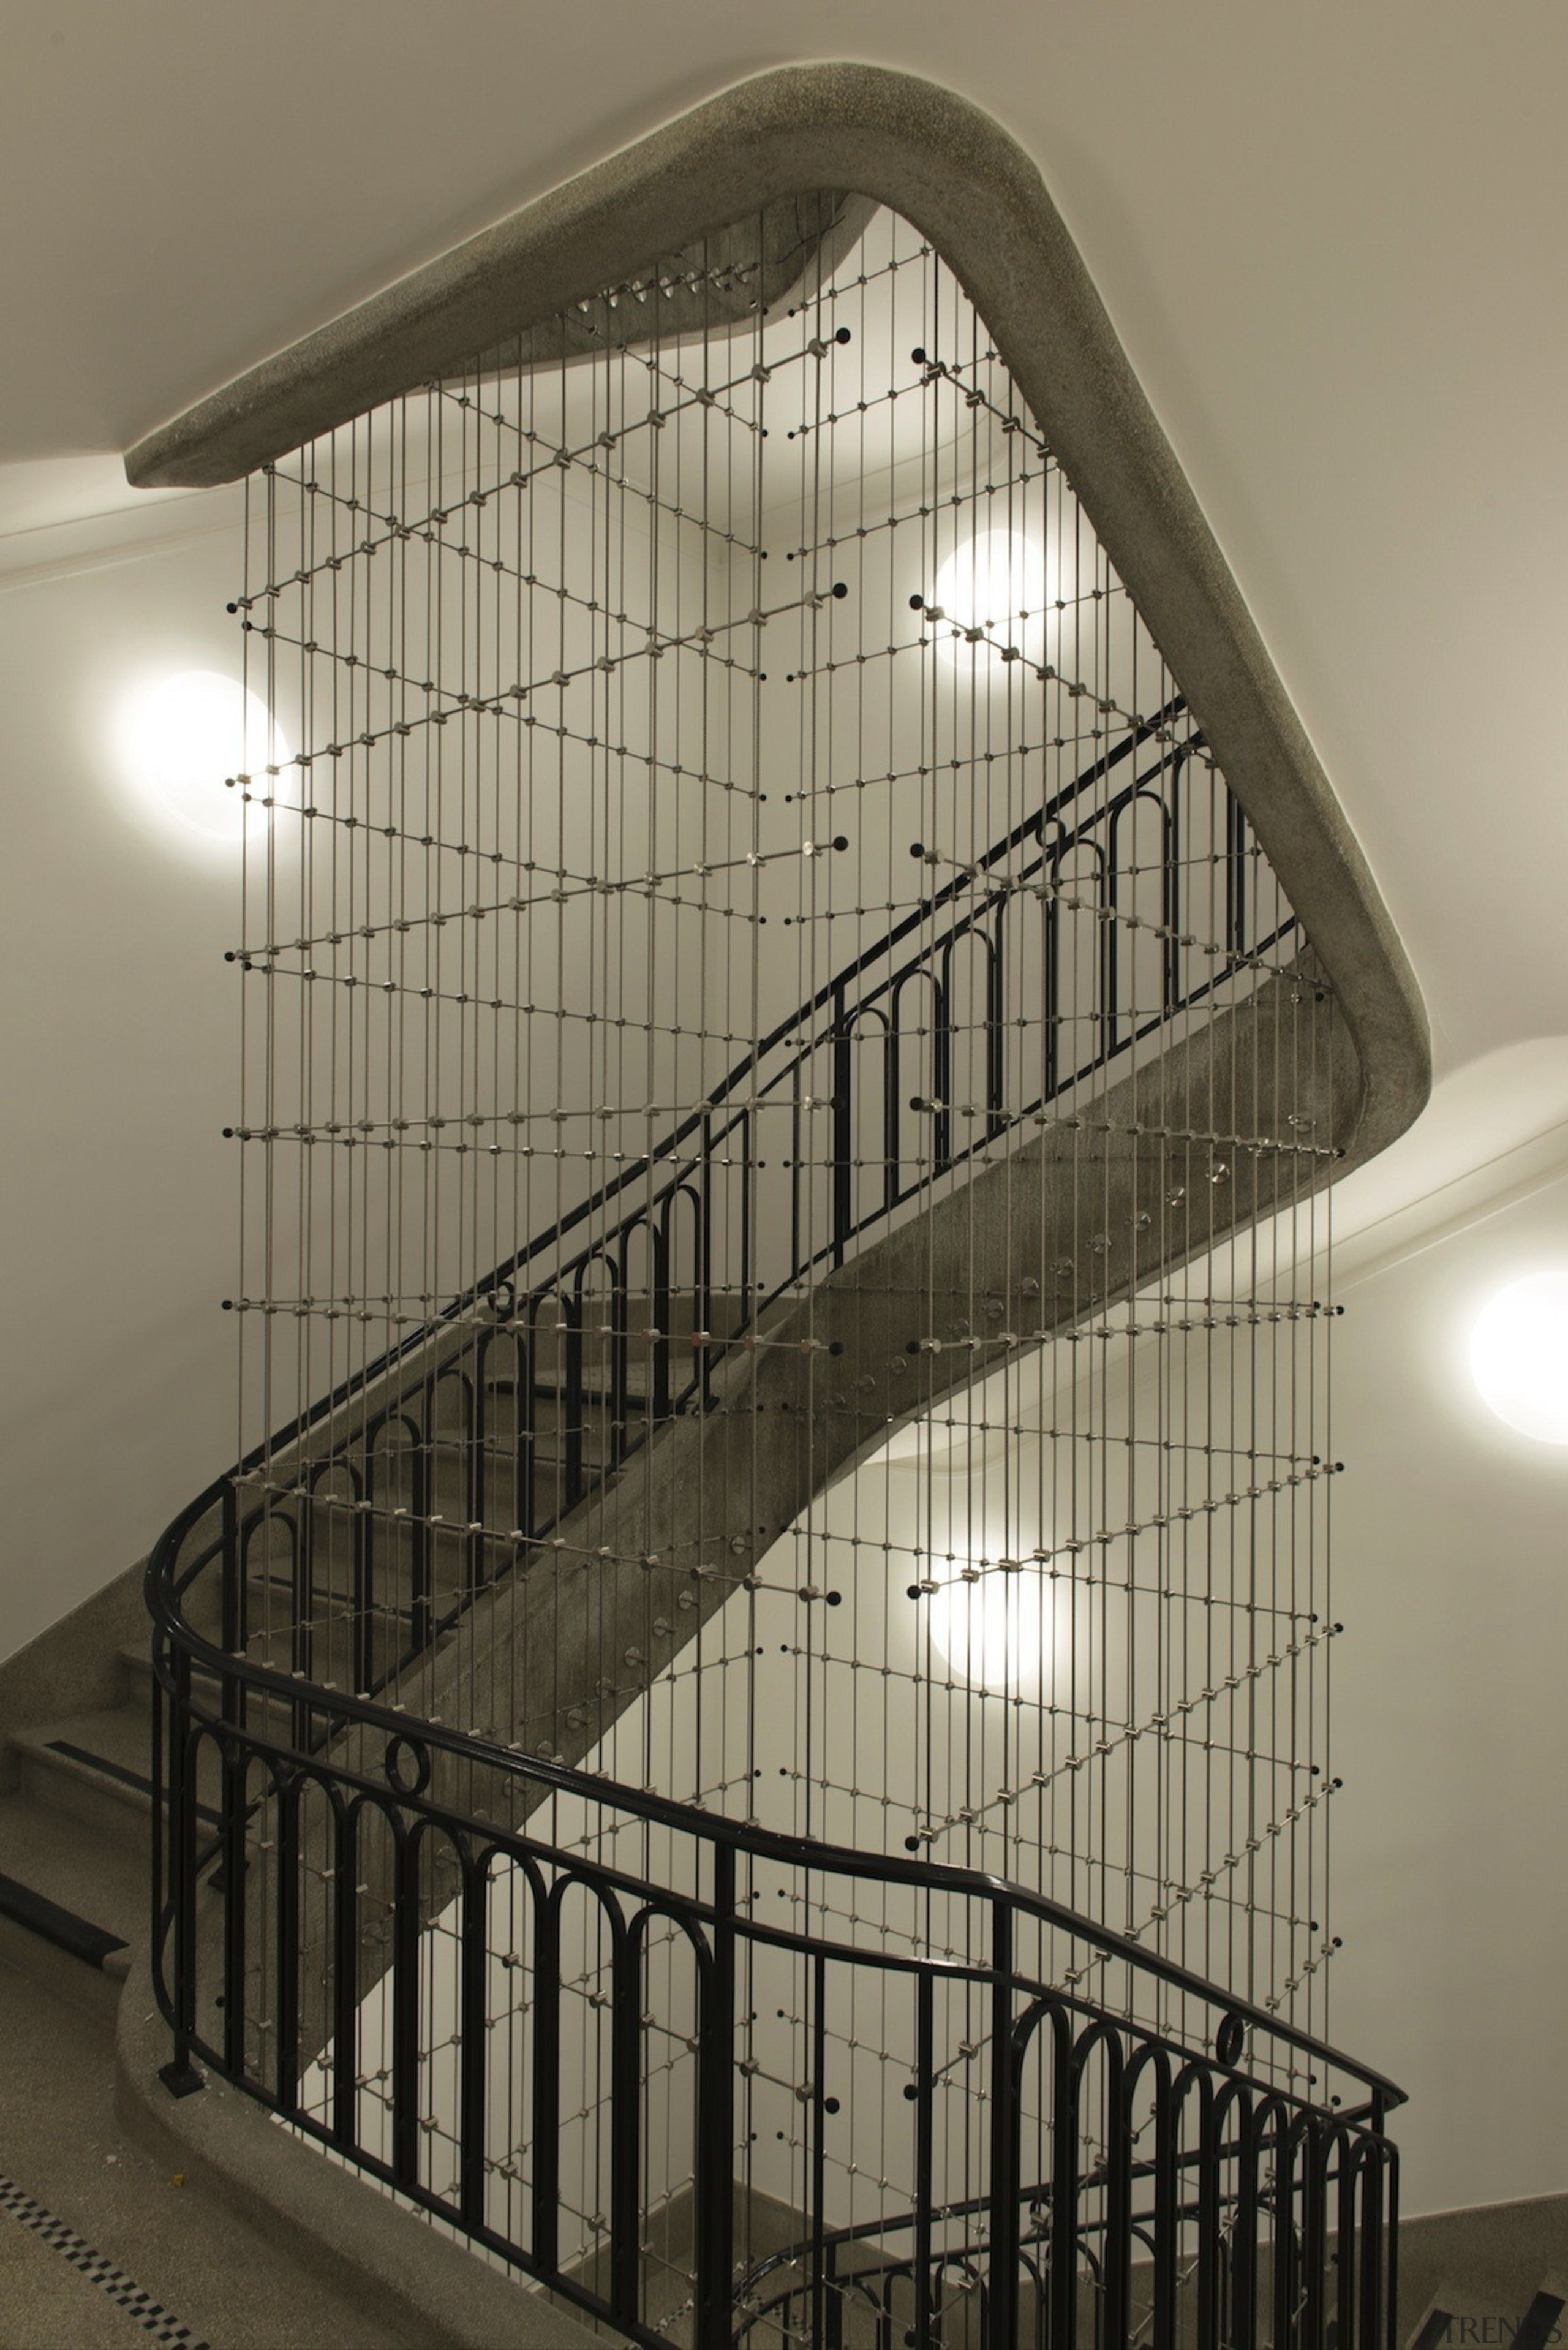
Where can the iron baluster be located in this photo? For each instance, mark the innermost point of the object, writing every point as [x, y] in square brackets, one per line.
[545, 1906]
[235, 1868]
[716, 2119]
[1243, 2266]
[405, 1972]
[1001, 2306]
[179, 2074]
[422, 1542]
[1210, 2247]
[1235, 897]
[706, 1355]
[1313, 2298]
[573, 1396]
[1384, 2160]
[1171, 899]
[160, 1876]
[302, 1595]
[287, 1862]
[925, 2183]
[526, 1414]
[996, 1025]
[345, 1819]
[474, 2046]
[1287, 2262]
[476, 1459]
[1116, 2255]
[815, 2115]
[942, 1065]
[362, 1567]
[842, 1061]
[1064, 2189]
[626, 2119]
[661, 1306]
[745, 1147]
[1163, 2331]
[798, 1155]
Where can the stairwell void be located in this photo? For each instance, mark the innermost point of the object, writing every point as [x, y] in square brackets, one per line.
[753, 1728]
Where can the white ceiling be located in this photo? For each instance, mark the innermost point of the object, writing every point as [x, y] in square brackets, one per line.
[1331, 235]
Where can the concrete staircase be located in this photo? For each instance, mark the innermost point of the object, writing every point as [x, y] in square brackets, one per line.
[837, 1367]
[74, 1861]
[76, 1785]
[835, 1370]
[103, 2236]
[219, 2220]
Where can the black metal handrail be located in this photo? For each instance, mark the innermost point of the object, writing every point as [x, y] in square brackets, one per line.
[354, 1765]
[854, 2270]
[1248, 2120]
[678, 1173]
[164, 1585]
[1160, 727]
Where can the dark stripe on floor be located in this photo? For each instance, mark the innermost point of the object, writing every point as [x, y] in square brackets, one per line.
[118, 1771]
[40, 1916]
[123, 2290]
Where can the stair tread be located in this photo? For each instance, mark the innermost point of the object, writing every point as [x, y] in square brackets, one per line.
[138, 1659]
[121, 1734]
[113, 1750]
[97, 1879]
[549, 1445]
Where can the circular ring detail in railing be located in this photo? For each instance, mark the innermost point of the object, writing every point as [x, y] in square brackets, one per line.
[407, 1765]
[1231, 2038]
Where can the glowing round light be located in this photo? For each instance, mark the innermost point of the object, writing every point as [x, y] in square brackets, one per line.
[990, 1627]
[182, 737]
[995, 584]
[1518, 1356]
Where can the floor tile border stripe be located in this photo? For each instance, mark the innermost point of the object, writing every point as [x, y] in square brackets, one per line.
[96, 2268]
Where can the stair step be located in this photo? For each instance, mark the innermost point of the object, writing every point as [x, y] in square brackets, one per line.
[596, 1437]
[92, 1944]
[333, 1527]
[270, 1598]
[448, 1471]
[503, 1374]
[97, 1769]
[551, 1423]
[549, 1391]
[636, 1313]
[65, 1889]
[138, 1663]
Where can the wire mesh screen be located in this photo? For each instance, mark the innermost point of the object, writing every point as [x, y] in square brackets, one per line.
[783, 1125]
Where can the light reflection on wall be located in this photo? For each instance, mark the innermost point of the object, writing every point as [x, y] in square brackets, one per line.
[1518, 1356]
[182, 741]
[993, 589]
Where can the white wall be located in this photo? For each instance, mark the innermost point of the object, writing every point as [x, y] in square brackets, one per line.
[120, 1052]
[1451, 1864]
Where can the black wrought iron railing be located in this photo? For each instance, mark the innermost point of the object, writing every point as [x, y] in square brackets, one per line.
[1160, 2161]
[1185, 2264]
[1219, 2204]
[591, 1354]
